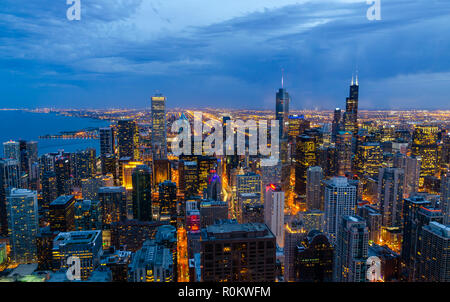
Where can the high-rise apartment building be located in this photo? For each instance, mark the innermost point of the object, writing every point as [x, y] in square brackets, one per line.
[435, 253]
[351, 250]
[390, 196]
[23, 225]
[274, 212]
[339, 201]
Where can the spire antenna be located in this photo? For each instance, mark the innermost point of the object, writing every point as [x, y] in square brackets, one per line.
[282, 78]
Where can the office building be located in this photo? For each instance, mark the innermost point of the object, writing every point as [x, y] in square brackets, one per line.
[113, 202]
[368, 159]
[313, 259]
[252, 244]
[159, 131]
[128, 139]
[435, 253]
[62, 213]
[142, 193]
[274, 212]
[314, 178]
[88, 215]
[23, 226]
[152, 263]
[351, 250]
[424, 145]
[86, 245]
[305, 157]
[11, 150]
[344, 152]
[445, 198]
[339, 201]
[390, 192]
[282, 111]
[211, 211]
[351, 109]
[107, 141]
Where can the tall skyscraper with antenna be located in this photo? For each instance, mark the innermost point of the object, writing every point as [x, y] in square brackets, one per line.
[282, 108]
[351, 108]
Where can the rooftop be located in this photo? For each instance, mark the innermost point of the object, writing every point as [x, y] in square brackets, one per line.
[229, 230]
[62, 200]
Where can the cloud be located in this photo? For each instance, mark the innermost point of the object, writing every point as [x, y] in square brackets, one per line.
[135, 47]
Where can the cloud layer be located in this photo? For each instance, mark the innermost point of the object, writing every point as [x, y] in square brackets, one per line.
[205, 53]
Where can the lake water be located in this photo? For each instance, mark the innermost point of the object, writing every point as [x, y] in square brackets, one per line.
[15, 125]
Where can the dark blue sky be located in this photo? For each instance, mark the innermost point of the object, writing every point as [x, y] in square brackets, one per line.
[226, 53]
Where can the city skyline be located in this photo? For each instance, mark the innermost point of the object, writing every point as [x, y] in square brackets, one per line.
[123, 53]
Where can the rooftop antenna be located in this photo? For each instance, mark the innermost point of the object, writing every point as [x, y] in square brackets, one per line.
[282, 78]
[357, 84]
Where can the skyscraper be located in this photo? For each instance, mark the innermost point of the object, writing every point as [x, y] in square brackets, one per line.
[351, 250]
[368, 159]
[313, 188]
[86, 245]
[128, 139]
[336, 124]
[62, 214]
[411, 167]
[84, 165]
[248, 183]
[293, 236]
[142, 193]
[417, 212]
[107, 142]
[11, 150]
[424, 145]
[274, 212]
[9, 178]
[152, 263]
[253, 244]
[390, 196]
[159, 131]
[22, 209]
[297, 125]
[63, 176]
[282, 111]
[314, 258]
[49, 190]
[445, 198]
[113, 201]
[306, 156]
[339, 201]
[168, 201]
[344, 150]
[435, 253]
[351, 109]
